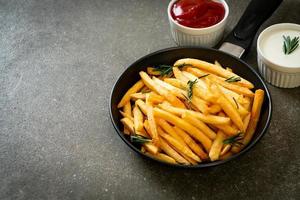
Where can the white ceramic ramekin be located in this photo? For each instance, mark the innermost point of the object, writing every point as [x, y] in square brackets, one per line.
[206, 37]
[274, 73]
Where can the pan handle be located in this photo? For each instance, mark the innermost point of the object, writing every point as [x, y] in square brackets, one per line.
[239, 40]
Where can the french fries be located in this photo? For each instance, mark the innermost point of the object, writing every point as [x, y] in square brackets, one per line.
[199, 112]
[134, 89]
[213, 69]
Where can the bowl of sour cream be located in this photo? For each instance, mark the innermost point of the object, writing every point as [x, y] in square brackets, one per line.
[278, 55]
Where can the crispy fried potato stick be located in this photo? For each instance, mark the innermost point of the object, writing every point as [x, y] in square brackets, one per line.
[179, 147]
[128, 124]
[138, 119]
[216, 146]
[194, 132]
[191, 143]
[152, 71]
[213, 69]
[231, 112]
[210, 119]
[126, 115]
[174, 90]
[127, 109]
[162, 157]
[142, 105]
[152, 125]
[160, 90]
[189, 118]
[137, 96]
[172, 153]
[231, 86]
[134, 89]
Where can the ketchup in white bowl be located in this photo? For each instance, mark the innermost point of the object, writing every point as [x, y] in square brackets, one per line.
[197, 13]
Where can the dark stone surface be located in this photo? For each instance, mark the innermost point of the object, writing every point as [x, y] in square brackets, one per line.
[58, 62]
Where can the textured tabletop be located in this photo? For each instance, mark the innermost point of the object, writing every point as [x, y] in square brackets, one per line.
[58, 62]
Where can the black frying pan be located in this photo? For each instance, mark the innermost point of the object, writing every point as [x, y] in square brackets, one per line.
[238, 42]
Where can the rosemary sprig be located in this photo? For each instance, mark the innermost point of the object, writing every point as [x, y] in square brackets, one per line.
[138, 139]
[233, 79]
[290, 45]
[190, 85]
[205, 75]
[182, 65]
[167, 70]
[235, 140]
[164, 70]
[237, 105]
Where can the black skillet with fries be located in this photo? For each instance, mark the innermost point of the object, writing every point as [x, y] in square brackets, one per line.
[194, 107]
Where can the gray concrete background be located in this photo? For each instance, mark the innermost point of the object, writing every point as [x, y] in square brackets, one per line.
[58, 61]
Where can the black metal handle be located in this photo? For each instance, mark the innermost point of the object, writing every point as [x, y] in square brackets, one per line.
[255, 14]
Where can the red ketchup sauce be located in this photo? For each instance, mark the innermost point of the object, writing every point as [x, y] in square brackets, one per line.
[197, 13]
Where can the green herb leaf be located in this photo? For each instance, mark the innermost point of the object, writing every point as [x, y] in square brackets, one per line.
[167, 70]
[233, 79]
[182, 65]
[237, 105]
[164, 70]
[235, 140]
[290, 45]
[205, 75]
[138, 139]
[190, 85]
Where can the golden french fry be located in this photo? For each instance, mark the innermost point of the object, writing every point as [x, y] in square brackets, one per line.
[162, 157]
[222, 81]
[134, 89]
[190, 160]
[239, 108]
[191, 143]
[127, 109]
[189, 118]
[200, 83]
[142, 105]
[210, 119]
[160, 90]
[255, 114]
[246, 121]
[194, 132]
[152, 71]
[126, 131]
[231, 112]
[200, 104]
[228, 129]
[152, 125]
[126, 115]
[128, 124]
[169, 130]
[213, 69]
[217, 63]
[216, 146]
[228, 69]
[179, 147]
[136, 96]
[138, 119]
[142, 133]
[174, 90]
[151, 147]
[176, 83]
[226, 155]
[172, 153]
[214, 109]
[155, 98]
[225, 149]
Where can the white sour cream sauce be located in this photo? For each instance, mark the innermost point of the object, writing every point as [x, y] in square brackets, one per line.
[272, 48]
